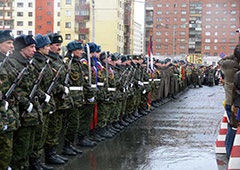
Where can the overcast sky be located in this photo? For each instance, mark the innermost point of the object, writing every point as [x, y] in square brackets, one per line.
[139, 11]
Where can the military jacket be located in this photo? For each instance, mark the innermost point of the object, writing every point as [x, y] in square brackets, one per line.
[24, 89]
[62, 100]
[9, 117]
[39, 62]
[76, 82]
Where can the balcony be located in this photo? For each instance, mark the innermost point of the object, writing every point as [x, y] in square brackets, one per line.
[82, 18]
[84, 30]
[83, 6]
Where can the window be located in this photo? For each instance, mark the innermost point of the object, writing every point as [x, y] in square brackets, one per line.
[215, 47]
[183, 19]
[68, 2]
[19, 32]
[30, 4]
[159, 5]
[217, 5]
[225, 5]
[233, 5]
[167, 5]
[30, 23]
[19, 4]
[158, 33]
[166, 39]
[167, 12]
[208, 26]
[207, 47]
[158, 46]
[39, 26]
[233, 26]
[216, 12]
[39, 17]
[184, 5]
[233, 12]
[68, 25]
[30, 14]
[158, 40]
[58, 24]
[216, 33]
[208, 19]
[182, 47]
[30, 33]
[215, 26]
[58, 4]
[208, 12]
[39, 8]
[49, 4]
[49, 22]
[67, 36]
[49, 13]
[68, 13]
[166, 33]
[58, 14]
[223, 33]
[184, 12]
[19, 14]
[224, 40]
[182, 33]
[233, 19]
[215, 40]
[19, 23]
[207, 33]
[209, 5]
[207, 40]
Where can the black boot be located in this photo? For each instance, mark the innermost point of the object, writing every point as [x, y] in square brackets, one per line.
[45, 167]
[67, 150]
[51, 157]
[35, 164]
[86, 142]
[78, 151]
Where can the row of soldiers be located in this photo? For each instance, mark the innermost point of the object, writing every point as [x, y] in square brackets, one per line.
[88, 94]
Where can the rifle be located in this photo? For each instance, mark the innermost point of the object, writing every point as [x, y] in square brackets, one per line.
[38, 81]
[4, 60]
[127, 78]
[121, 76]
[66, 80]
[16, 81]
[54, 80]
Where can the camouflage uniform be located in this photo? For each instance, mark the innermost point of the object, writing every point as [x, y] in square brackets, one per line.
[29, 117]
[9, 118]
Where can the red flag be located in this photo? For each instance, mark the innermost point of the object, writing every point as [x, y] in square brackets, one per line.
[150, 52]
[95, 117]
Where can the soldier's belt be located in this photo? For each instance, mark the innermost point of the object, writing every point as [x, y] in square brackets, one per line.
[112, 89]
[76, 88]
[93, 86]
[150, 80]
[140, 83]
[156, 79]
[145, 82]
[100, 83]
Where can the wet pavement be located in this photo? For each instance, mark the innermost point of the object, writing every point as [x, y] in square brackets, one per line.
[179, 135]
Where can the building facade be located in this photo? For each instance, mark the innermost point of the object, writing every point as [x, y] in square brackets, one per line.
[206, 27]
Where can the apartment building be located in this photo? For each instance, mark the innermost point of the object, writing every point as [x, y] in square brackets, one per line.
[206, 27]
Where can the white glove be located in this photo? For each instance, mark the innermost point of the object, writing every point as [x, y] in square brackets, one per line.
[124, 90]
[66, 90]
[5, 127]
[107, 100]
[144, 91]
[131, 85]
[91, 100]
[6, 105]
[51, 112]
[30, 107]
[47, 98]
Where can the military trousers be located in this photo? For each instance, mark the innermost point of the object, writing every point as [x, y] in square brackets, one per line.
[23, 142]
[54, 129]
[103, 113]
[6, 144]
[71, 124]
[40, 137]
[85, 118]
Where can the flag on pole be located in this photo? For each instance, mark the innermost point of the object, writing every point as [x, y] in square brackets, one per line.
[150, 52]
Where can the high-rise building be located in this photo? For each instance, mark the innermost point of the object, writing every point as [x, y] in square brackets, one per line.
[206, 27]
[6, 14]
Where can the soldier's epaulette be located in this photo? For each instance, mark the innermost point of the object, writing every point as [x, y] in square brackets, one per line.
[66, 59]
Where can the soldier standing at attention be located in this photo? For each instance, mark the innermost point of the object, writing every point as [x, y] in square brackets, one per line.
[62, 99]
[29, 107]
[76, 79]
[89, 95]
[41, 63]
[9, 117]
